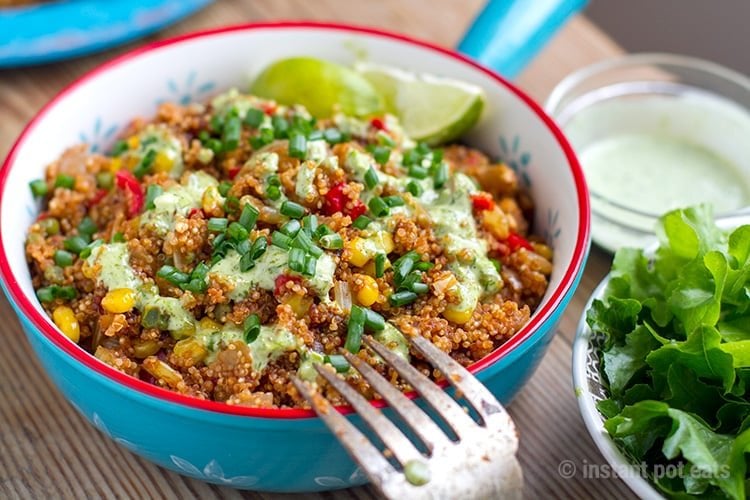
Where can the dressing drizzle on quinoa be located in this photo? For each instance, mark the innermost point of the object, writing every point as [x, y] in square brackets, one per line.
[222, 248]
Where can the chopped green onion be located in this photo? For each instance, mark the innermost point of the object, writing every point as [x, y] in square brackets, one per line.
[371, 178]
[310, 224]
[254, 117]
[195, 285]
[339, 362]
[105, 180]
[333, 135]
[291, 228]
[297, 145]
[236, 232]
[231, 204]
[311, 264]
[259, 247]
[380, 260]
[403, 266]
[280, 126]
[273, 180]
[75, 244]
[440, 176]
[423, 149]
[87, 251]
[118, 237]
[322, 231]
[411, 157]
[374, 321]
[119, 148]
[231, 133]
[214, 145]
[203, 135]
[63, 258]
[296, 261]
[420, 288]
[200, 271]
[87, 226]
[66, 292]
[378, 206]
[354, 329]
[305, 242]
[265, 136]
[50, 225]
[45, 294]
[144, 167]
[249, 216]
[246, 262]
[152, 192]
[403, 298]
[65, 181]
[217, 123]
[418, 172]
[281, 240]
[315, 135]
[394, 201]
[498, 265]
[332, 242]
[414, 188]
[217, 224]
[243, 247]
[273, 192]
[224, 187]
[292, 209]
[361, 222]
[172, 275]
[381, 154]
[38, 188]
[437, 156]
[251, 328]
[423, 266]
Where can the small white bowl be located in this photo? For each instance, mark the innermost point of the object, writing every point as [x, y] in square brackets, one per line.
[587, 382]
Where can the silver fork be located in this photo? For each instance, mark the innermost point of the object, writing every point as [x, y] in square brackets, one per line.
[480, 464]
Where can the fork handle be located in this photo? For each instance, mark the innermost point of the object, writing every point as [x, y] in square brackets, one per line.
[507, 34]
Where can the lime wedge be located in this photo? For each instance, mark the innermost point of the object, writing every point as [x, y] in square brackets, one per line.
[431, 109]
[320, 86]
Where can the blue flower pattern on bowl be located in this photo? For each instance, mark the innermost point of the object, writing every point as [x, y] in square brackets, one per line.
[552, 229]
[98, 136]
[517, 159]
[213, 472]
[188, 91]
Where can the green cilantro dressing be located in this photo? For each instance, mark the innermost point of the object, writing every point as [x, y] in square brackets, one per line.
[178, 200]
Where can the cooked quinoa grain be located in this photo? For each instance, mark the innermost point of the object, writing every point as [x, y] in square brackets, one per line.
[219, 265]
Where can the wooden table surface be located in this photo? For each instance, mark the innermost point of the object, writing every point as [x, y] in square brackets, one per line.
[48, 451]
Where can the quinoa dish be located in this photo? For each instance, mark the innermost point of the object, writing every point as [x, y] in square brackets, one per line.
[220, 249]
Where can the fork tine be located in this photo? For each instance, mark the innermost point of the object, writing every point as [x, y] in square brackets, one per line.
[454, 415]
[375, 465]
[395, 440]
[422, 425]
[473, 391]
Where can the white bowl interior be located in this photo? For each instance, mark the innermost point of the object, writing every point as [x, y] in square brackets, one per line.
[96, 109]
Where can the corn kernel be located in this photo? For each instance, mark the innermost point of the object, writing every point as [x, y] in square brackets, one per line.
[209, 325]
[356, 252]
[162, 162]
[66, 320]
[369, 293]
[212, 202]
[386, 242]
[189, 352]
[115, 165]
[119, 300]
[133, 141]
[458, 316]
[145, 348]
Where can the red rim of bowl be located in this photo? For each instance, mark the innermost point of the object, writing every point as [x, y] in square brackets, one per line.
[45, 326]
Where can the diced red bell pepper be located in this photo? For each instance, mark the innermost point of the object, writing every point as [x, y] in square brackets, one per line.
[482, 201]
[378, 123]
[281, 281]
[42, 216]
[194, 211]
[515, 241]
[232, 172]
[335, 199]
[126, 180]
[268, 108]
[358, 208]
[98, 197]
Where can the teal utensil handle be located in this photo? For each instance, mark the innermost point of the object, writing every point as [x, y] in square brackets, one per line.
[507, 34]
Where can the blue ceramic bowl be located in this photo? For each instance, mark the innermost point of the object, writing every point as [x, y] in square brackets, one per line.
[287, 449]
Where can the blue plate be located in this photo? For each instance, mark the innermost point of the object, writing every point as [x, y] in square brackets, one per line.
[51, 31]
